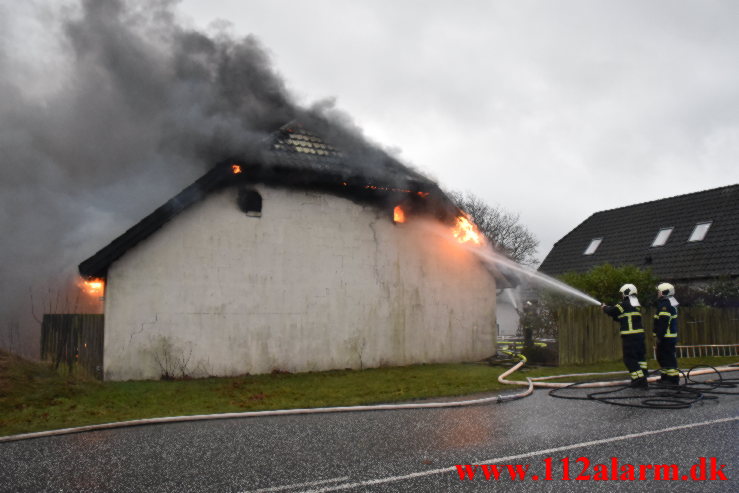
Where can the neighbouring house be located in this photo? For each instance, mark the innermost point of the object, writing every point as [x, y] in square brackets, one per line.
[305, 257]
[689, 239]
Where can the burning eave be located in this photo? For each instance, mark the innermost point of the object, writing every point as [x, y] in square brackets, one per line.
[293, 157]
[420, 197]
[416, 196]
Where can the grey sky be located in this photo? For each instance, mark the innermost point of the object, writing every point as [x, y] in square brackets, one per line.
[554, 110]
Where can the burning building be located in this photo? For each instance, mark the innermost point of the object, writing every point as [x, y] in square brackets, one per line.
[305, 257]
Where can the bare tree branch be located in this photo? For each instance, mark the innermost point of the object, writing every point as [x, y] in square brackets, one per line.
[502, 228]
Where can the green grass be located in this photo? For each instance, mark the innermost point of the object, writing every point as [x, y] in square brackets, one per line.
[35, 397]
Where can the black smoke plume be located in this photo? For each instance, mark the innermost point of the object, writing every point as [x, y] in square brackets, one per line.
[121, 107]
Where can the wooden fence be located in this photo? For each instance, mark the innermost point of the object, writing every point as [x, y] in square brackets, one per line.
[74, 340]
[587, 335]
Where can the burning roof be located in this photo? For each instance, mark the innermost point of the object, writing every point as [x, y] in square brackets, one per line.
[295, 157]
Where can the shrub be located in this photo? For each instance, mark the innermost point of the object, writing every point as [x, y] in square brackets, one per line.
[721, 292]
[603, 282]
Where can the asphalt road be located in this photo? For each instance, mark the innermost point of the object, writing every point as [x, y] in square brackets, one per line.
[408, 450]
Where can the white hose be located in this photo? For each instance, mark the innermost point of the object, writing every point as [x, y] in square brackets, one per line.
[280, 412]
[530, 383]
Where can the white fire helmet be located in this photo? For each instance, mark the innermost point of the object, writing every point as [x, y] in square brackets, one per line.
[666, 289]
[627, 290]
[630, 291]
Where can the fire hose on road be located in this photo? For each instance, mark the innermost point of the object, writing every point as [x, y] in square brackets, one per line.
[530, 383]
[663, 397]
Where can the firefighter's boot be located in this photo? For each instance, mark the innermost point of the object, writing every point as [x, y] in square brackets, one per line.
[639, 383]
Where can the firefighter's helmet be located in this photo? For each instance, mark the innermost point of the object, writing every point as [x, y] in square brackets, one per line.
[666, 289]
[627, 290]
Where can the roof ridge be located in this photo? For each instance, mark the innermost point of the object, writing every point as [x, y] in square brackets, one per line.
[665, 198]
[630, 230]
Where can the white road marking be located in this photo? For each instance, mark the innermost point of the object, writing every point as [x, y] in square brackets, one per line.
[299, 485]
[509, 458]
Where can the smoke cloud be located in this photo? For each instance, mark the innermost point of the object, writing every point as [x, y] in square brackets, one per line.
[107, 110]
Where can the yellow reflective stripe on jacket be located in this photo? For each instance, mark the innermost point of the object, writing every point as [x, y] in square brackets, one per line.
[620, 308]
[664, 314]
[632, 331]
[669, 323]
[629, 316]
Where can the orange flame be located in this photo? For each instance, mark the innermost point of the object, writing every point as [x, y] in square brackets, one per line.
[466, 231]
[398, 214]
[236, 169]
[94, 287]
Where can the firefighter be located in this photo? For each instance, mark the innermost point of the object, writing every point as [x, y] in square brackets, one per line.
[665, 330]
[626, 312]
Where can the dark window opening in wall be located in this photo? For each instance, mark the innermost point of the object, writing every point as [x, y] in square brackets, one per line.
[250, 202]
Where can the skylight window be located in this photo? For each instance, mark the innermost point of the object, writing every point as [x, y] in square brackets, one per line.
[662, 237]
[594, 244]
[700, 231]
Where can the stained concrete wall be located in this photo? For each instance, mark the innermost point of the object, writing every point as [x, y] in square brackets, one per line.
[317, 282]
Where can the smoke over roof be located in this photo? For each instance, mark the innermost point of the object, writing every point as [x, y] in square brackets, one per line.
[126, 107]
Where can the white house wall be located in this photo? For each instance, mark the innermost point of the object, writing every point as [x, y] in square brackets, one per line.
[317, 282]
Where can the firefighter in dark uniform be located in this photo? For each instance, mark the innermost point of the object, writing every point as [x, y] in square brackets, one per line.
[665, 330]
[626, 312]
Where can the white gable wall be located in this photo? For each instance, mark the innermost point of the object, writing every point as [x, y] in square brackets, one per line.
[316, 283]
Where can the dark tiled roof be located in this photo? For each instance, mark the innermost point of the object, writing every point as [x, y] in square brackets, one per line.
[297, 158]
[298, 148]
[628, 233]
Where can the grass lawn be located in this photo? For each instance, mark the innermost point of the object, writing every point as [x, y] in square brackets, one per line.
[34, 397]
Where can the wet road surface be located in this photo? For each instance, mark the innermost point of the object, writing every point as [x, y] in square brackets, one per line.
[407, 450]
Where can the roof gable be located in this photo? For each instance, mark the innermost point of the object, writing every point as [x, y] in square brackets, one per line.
[291, 157]
[628, 234]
